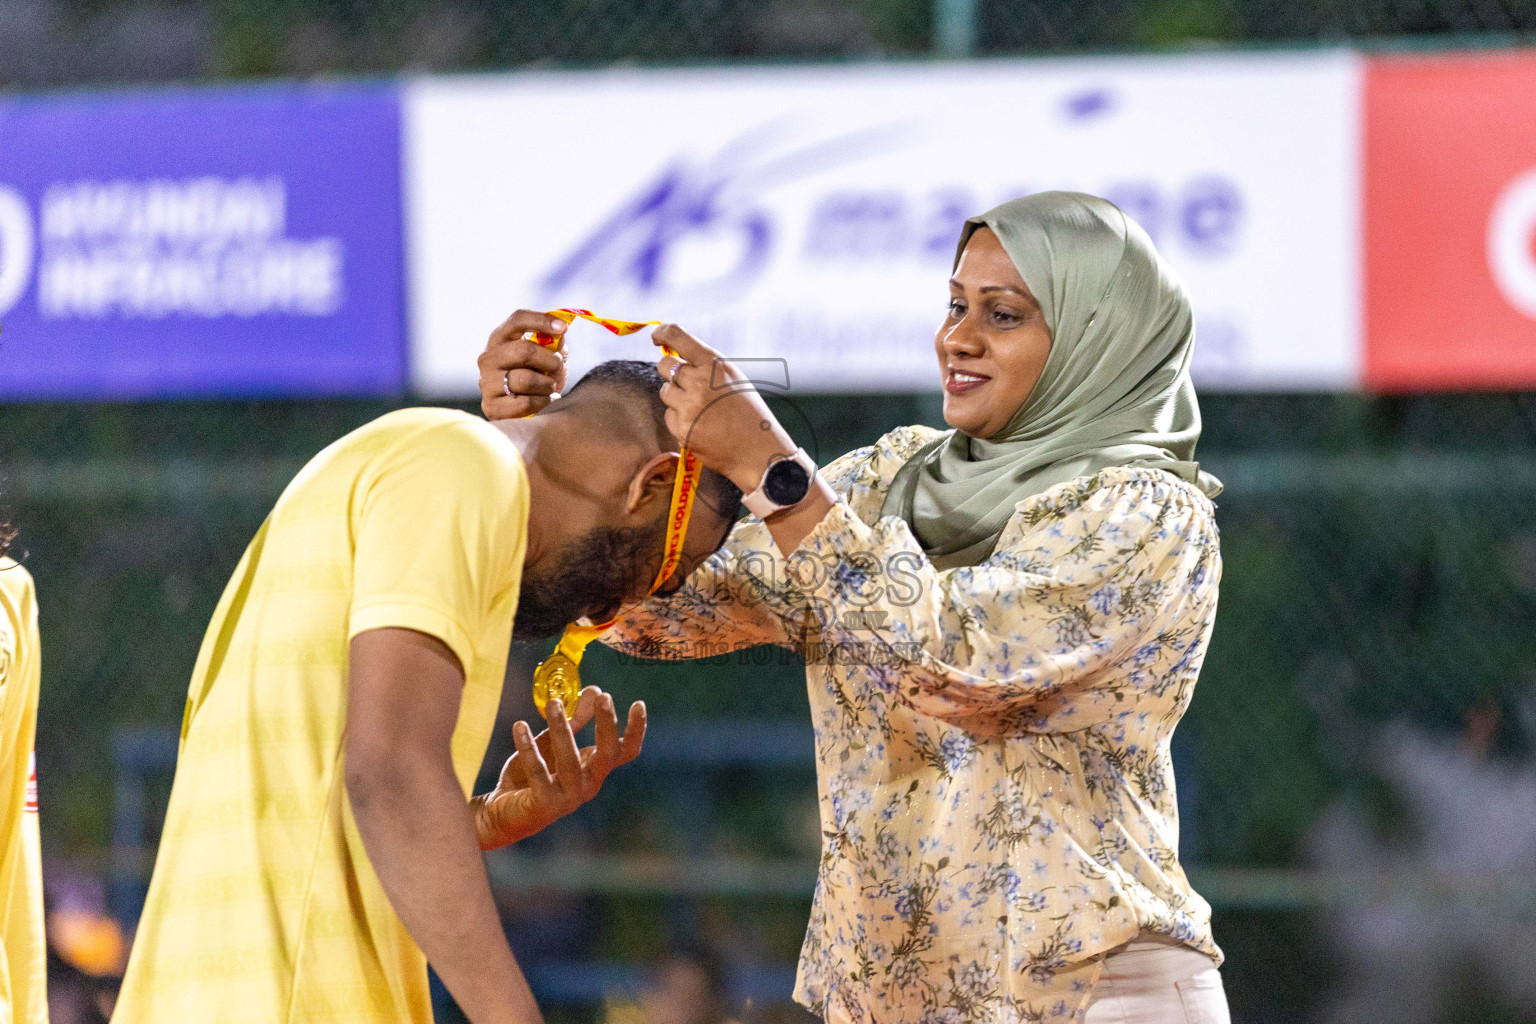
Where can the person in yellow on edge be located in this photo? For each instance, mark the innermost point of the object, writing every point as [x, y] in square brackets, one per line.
[23, 948]
[319, 848]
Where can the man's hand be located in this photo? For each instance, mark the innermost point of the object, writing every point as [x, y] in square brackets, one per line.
[548, 777]
[517, 376]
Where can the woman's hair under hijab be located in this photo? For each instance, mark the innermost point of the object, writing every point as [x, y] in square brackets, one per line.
[642, 382]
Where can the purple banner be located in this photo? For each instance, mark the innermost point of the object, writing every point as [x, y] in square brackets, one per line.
[201, 242]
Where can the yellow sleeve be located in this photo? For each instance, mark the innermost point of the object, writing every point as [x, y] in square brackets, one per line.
[18, 645]
[6, 1017]
[7, 667]
[439, 534]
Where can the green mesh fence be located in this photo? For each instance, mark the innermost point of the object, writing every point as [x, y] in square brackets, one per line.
[50, 42]
[1380, 579]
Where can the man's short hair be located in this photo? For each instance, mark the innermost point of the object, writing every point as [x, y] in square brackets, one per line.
[643, 381]
[7, 536]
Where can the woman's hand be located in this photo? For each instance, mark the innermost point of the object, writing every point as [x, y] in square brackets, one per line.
[548, 777]
[714, 411]
[517, 376]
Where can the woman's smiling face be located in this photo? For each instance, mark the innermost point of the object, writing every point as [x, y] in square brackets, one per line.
[993, 344]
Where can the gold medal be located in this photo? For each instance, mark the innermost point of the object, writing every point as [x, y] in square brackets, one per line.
[558, 676]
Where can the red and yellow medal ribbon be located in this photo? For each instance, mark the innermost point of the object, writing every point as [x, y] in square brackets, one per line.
[619, 327]
[558, 675]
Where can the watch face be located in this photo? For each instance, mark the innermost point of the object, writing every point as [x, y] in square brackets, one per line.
[786, 482]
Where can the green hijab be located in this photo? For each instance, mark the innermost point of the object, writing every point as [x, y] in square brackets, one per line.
[1115, 390]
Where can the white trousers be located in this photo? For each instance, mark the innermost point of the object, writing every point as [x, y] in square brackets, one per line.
[1154, 980]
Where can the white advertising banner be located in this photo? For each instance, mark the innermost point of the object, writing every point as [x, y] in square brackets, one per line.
[811, 214]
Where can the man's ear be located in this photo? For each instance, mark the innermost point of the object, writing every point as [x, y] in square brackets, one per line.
[653, 481]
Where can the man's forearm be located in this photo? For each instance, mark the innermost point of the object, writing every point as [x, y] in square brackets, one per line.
[420, 838]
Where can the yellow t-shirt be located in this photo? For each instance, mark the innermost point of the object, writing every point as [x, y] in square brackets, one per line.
[23, 949]
[263, 907]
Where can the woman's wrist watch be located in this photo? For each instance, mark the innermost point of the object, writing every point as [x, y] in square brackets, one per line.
[786, 482]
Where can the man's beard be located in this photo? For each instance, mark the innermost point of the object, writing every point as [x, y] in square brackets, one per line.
[595, 573]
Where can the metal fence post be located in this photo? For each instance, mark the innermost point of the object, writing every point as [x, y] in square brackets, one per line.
[954, 27]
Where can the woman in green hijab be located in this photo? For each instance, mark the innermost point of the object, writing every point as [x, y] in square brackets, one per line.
[1002, 624]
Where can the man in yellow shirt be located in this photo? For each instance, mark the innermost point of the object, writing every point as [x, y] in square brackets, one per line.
[23, 949]
[319, 848]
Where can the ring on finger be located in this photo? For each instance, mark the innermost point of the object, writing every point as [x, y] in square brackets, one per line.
[672, 374]
[506, 383]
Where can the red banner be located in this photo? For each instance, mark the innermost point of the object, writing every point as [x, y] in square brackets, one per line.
[1450, 222]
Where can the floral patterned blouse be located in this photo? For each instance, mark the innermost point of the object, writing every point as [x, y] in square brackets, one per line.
[997, 796]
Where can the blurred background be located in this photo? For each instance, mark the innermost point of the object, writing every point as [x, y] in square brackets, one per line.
[73, 42]
[1346, 184]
